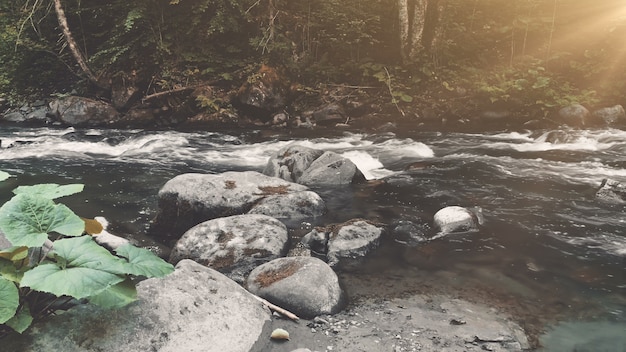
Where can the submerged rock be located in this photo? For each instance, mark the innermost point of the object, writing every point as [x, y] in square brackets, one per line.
[611, 191]
[188, 310]
[344, 244]
[233, 245]
[305, 286]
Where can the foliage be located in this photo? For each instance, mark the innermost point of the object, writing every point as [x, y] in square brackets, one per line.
[493, 48]
[532, 85]
[52, 264]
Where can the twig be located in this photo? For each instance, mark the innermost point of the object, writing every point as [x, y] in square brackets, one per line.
[393, 99]
[276, 308]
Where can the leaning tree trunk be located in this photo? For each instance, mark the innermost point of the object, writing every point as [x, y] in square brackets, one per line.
[71, 43]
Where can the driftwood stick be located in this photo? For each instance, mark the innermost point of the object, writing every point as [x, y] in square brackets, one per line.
[276, 308]
[351, 86]
[171, 91]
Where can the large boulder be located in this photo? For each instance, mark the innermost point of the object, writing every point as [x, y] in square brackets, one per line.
[305, 286]
[233, 245]
[189, 199]
[331, 169]
[611, 116]
[344, 244]
[79, 111]
[188, 310]
[574, 115]
[290, 162]
[312, 167]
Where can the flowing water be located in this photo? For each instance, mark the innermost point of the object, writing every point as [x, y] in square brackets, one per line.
[548, 251]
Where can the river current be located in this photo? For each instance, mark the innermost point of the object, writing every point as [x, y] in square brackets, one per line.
[548, 251]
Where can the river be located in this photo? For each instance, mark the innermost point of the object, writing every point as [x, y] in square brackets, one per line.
[548, 252]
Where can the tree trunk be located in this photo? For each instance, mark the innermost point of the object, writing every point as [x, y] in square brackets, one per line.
[71, 43]
[411, 23]
[417, 28]
[403, 24]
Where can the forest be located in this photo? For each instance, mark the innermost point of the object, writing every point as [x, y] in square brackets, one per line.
[536, 55]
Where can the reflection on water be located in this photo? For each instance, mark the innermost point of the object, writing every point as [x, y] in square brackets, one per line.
[548, 250]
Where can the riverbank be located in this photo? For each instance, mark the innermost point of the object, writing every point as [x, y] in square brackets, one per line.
[411, 323]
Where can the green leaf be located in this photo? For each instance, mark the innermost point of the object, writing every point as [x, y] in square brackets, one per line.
[406, 98]
[9, 271]
[4, 175]
[83, 269]
[22, 320]
[116, 296]
[9, 300]
[142, 262]
[26, 220]
[50, 190]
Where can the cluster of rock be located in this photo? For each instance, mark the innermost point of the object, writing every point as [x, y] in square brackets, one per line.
[577, 115]
[227, 234]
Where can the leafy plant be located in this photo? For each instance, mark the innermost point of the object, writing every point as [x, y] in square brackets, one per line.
[50, 261]
[531, 84]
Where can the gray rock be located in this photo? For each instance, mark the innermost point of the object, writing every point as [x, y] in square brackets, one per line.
[79, 111]
[305, 286]
[344, 244]
[575, 115]
[310, 166]
[455, 219]
[331, 169]
[188, 310]
[14, 116]
[233, 245]
[410, 232]
[189, 199]
[38, 115]
[297, 205]
[611, 191]
[351, 241]
[290, 162]
[611, 116]
[329, 114]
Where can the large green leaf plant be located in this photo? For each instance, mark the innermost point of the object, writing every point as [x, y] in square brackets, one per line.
[49, 260]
